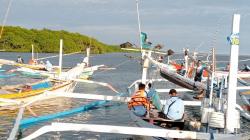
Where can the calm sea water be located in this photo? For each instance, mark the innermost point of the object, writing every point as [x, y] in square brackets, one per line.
[127, 71]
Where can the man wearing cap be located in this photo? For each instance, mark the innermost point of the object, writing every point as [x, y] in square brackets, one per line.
[139, 103]
[174, 107]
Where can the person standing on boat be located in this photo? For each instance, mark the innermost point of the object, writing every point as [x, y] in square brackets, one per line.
[20, 60]
[139, 103]
[174, 107]
[199, 71]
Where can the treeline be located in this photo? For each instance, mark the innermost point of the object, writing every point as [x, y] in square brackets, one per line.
[18, 39]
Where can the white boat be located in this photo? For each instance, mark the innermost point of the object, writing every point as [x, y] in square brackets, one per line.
[213, 114]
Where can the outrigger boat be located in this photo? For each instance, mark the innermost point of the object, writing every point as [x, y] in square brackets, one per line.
[64, 81]
[221, 120]
[214, 115]
[32, 64]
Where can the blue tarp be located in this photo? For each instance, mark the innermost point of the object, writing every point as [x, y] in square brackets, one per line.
[41, 85]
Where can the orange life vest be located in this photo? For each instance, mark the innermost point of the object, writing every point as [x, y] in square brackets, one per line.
[139, 99]
[205, 73]
[177, 66]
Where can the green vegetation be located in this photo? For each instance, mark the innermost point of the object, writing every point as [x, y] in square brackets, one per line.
[18, 39]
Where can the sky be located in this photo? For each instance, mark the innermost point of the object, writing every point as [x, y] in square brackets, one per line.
[176, 24]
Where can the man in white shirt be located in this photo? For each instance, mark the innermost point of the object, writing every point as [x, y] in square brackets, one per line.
[174, 107]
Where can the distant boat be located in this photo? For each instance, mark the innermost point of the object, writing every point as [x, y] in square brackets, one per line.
[2, 76]
[26, 92]
[3, 50]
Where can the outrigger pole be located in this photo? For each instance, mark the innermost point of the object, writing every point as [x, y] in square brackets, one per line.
[231, 98]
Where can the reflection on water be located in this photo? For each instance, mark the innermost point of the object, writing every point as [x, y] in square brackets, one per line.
[111, 114]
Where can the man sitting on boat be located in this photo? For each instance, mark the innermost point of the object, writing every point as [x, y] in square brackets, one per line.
[48, 66]
[151, 91]
[153, 97]
[174, 107]
[20, 60]
[246, 68]
[139, 103]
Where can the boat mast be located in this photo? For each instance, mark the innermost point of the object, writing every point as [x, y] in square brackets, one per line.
[5, 18]
[60, 56]
[139, 22]
[32, 51]
[145, 63]
[88, 51]
[231, 98]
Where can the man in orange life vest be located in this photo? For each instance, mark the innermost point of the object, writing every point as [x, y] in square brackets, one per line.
[139, 103]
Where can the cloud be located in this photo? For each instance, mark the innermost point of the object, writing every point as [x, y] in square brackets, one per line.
[174, 23]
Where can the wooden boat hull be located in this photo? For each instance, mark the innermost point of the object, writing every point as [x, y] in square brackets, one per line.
[34, 67]
[182, 81]
[28, 96]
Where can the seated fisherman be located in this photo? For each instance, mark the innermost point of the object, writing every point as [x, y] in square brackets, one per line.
[139, 103]
[20, 60]
[48, 66]
[153, 97]
[246, 68]
[151, 91]
[174, 107]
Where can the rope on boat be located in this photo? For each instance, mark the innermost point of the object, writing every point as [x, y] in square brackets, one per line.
[57, 56]
[5, 18]
[99, 83]
[17, 123]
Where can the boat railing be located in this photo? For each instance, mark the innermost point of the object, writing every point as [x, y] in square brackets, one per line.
[153, 132]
